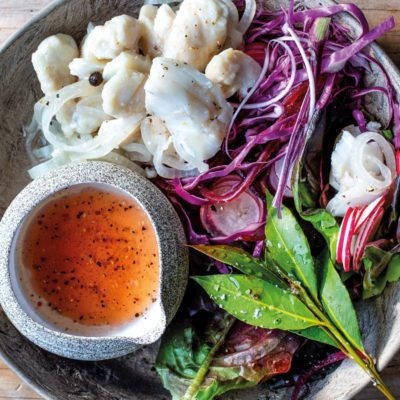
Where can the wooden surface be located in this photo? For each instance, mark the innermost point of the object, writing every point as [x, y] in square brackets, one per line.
[13, 13]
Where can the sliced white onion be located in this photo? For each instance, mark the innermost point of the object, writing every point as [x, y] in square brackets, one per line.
[42, 168]
[43, 152]
[119, 159]
[247, 17]
[159, 166]
[54, 103]
[159, 2]
[363, 167]
[184, 153]
[137, 152]
[38, 109]
[112, 134]
[177, 164]
[387, 170]
[161, 145]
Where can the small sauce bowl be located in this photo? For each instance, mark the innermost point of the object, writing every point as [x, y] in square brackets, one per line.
[60, 334]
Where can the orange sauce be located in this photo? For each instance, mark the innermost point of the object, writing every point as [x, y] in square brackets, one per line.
[93, 256]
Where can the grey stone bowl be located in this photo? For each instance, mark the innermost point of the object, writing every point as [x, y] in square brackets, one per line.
[133, 376]
[83, 342]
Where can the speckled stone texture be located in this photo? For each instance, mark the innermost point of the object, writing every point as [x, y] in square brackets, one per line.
[132, 376]
[170, 238]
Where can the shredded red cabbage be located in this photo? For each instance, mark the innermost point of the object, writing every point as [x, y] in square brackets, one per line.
[301, 73]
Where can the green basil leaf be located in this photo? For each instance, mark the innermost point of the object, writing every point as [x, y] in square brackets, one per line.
[317, 334]
[320, 218]
[257, 302]
[241, 260]
[288, 246]
[337, 303]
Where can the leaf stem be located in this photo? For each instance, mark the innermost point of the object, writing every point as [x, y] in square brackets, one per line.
[194, 387]
[367, 365]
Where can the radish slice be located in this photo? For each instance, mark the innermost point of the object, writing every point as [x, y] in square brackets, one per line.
[398, 162]
[228, 218]
[353, 245]
[274, 174]
[348, 235]
[367, 212]
[340, 243]
[367, 233]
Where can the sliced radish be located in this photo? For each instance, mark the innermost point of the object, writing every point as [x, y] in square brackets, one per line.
[274, 174]
[228, 218]
[342, 230]
[367, 233]
[367, 212]
[274, 180]
[353, 244]
[398, 162]
[348, 235]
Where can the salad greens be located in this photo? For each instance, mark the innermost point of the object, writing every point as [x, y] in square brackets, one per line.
[325, 302]
[186, 354]
[320, 218]
[193, 362]
[382, 266]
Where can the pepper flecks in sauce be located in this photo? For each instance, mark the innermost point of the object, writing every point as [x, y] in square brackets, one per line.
[93, 257]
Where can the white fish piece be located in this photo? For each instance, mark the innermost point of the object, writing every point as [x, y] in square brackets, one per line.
[83, 68]
[127, 61]
[83, 117]
[200, 30]
[51, 60]
[64, 117]
[156, 26]
[105, 42]
[234, 70]
[192, 108]
[89, 114]
[123, 95]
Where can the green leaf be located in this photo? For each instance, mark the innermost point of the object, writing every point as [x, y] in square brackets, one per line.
[321, 28]
[388, 134]
[257, 302]
[241, 260]
[320, 218]
[219, 387]
[288, 246]
[316, 333]
[185, 354]
[381, 267]
[337, 303]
